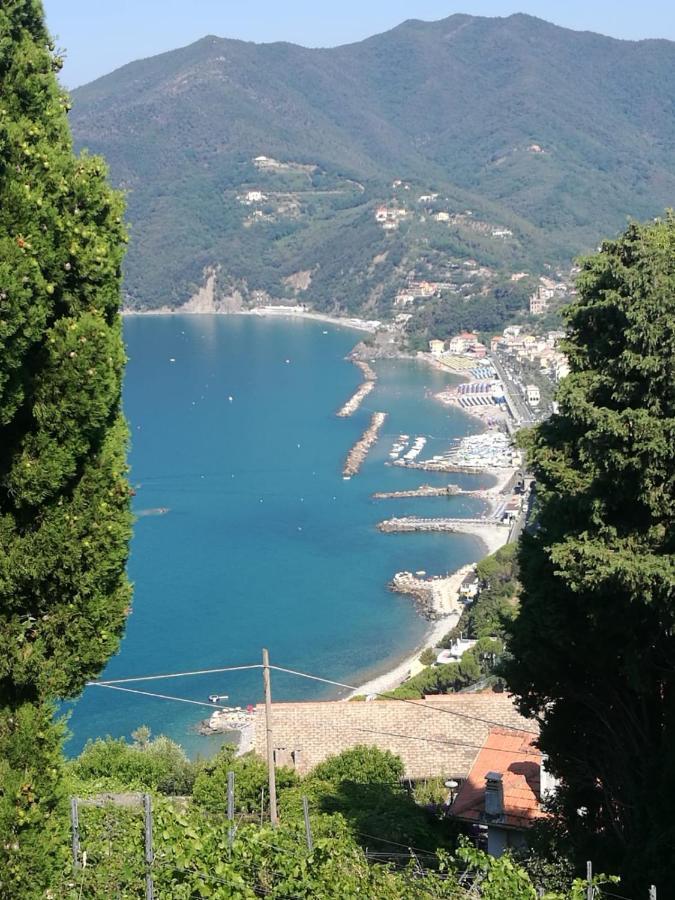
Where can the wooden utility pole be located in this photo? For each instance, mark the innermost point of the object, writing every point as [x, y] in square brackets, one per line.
[75, 832]
[308, 826]
[230, 810]
[149, 854]
[271, 773]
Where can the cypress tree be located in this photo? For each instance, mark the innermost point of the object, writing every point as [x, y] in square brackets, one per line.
[64, 498]
[594, 643]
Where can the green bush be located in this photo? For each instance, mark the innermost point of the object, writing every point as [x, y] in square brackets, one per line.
[428, 656]
[250, 782]
[360, 765]
[158, 764]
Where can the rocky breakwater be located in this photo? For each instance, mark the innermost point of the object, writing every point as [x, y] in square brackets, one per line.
[436, 597]
[422, 590]
[362, 392]
[222, 721]
[360, 449]
[413, 523]
[424, 490]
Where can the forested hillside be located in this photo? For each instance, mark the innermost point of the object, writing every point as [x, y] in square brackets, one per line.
[532, 139]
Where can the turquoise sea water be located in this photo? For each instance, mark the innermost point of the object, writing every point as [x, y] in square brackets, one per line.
[264, 543]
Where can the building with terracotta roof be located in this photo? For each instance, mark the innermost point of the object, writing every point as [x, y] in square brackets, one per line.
[503, 789]
[441, 735]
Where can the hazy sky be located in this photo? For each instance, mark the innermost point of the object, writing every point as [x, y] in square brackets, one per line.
[101, 35]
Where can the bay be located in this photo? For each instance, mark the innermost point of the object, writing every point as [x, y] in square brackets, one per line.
[234, 434]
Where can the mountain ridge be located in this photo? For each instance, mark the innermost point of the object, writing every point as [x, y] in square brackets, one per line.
[453, 107]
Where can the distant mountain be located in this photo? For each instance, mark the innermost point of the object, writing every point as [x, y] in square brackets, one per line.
[536, 140]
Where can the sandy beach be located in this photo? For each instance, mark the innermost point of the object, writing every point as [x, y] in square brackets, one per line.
[294, 313]
[446, 596]
[446, 589]
[289, 312]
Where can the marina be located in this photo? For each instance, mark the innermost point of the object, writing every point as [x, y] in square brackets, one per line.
[477, 452]
[402, 443]
[399, 446]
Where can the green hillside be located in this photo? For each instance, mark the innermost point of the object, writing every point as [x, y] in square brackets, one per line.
[549, 137]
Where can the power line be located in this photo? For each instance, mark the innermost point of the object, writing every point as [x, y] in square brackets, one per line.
[113, 683]
[116, 687]
[407, 847]
[176, 674]
[449, 741]
[423, 705]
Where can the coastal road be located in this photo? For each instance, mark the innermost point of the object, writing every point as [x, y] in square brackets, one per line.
[518, 407]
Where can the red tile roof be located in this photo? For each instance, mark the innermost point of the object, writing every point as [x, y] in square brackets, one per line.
[513, 754]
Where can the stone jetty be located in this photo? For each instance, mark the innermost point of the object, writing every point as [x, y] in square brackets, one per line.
[424, 490]
[362, 392]
[453, 526]
[223, 721]
[360, 449]
[437, 465]
[437, 597]
[422, 590]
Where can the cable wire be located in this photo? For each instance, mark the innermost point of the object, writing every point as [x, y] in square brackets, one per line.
[116, 687]
[177, 674]
[421, 704]
[115, 684]
[452, 742]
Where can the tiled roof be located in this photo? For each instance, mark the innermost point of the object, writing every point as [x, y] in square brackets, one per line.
[440, 735]
[511, 753]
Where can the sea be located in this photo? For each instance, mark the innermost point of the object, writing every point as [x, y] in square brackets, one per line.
[246, 534]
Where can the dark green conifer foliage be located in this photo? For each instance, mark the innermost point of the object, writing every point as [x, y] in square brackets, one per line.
[64, 499]
[594, 643]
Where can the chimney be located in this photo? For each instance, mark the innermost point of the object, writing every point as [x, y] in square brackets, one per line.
[548, 783]
[494, 795]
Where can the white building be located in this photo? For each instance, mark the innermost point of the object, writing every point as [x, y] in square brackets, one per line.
[251, 197]
[532, 395]
[455, 652]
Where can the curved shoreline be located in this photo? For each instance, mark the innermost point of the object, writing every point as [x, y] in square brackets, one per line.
[491, 537]
[263, 312]
[448, 616]
[446, 599]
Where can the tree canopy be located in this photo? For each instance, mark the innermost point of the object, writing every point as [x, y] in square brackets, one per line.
[594, 644]
[64, 498]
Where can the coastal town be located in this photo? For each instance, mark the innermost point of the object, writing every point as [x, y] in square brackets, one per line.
[489, 386]
[337, 480]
